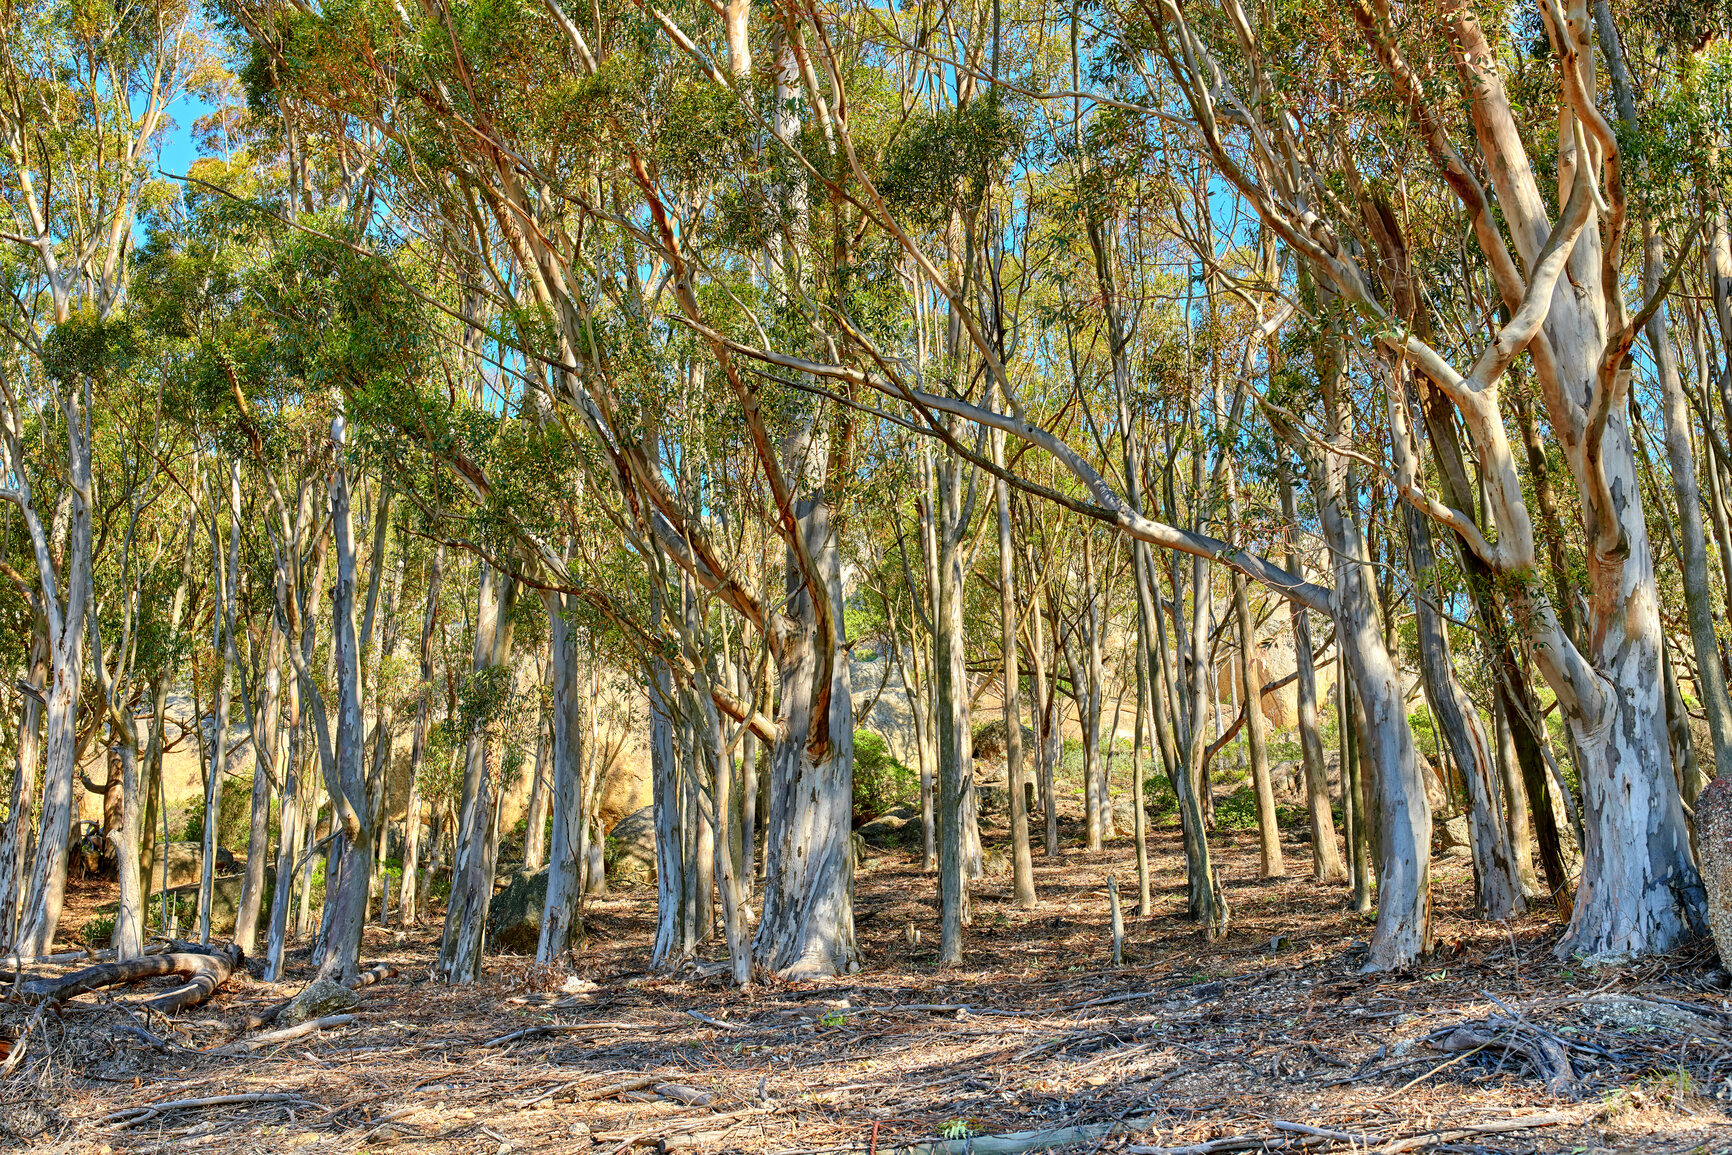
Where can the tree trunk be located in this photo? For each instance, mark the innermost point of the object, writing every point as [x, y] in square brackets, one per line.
[560, 914]
[1494, 866]
[1022, 858]
[22, 802]
[955, 741]
[408, 902]
[476, 842]
[1326, 864]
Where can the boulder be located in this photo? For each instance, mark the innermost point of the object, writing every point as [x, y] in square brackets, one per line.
[889, 828]
[625, 789]
[317, 999]
[514, 914]
[182, 860]
[1454, 838]
[990, 739]
[631, 848]
[225, 899]
[1714, 851]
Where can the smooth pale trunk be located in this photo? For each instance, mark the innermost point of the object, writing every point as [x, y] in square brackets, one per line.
[476, 842]
[560, 914]
[129, 914]
[1326, 864]
[955, 745]
[1403, 928]
[258, 837]
[22, 801]
[409, 899]
[288, 840]
[535, 815]
[672, 946]
[1022, 859]
[48, 873]
[1250, 677]
[806, 925]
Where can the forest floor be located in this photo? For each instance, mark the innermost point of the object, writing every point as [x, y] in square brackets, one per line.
[1238, 1045]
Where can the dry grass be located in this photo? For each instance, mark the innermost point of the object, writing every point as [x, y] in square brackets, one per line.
[1271, 1023]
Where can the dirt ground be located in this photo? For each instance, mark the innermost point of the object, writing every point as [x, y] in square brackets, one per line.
[1266, 1040]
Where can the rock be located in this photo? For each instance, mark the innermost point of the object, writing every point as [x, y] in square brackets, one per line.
[625, 789]
[318, 998]
[1454, 838]
[858, 845]
[183, 861]
[992, 797]
[888, 828]
[514, 914]
[631, 848]
[225, 899]
[1622, 1012]
[1714, 851]
[990, 738]
[993, 861]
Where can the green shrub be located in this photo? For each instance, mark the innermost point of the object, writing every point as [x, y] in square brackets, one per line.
[96, 933]
[880, 781]
[1238, 811]
[234, 816]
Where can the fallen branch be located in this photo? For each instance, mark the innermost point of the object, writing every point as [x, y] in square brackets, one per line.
[1524, 1123]
[205, 972]
[1018, 1141]
[128, 1116]
[311, 1026]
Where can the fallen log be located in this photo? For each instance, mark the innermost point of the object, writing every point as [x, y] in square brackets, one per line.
[378, 972]
[204, 972]
[269, 1038]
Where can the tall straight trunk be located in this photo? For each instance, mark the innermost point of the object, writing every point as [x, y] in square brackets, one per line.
[806, 923]
[228, 576]
[1091, 691]
[1140, 816]
[1022, 858]
[41, 916]
[1047, 725]
[673, 945]
[1250, 678]
[955, 744]
[22, 801]
[560, 913]
[540, 800]
[409, 898]
[267, 745]
[1326, 864]
[1403, 815]
[472, 865]
[352, 804]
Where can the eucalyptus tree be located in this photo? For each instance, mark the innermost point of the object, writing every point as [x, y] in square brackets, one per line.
[1567, 309]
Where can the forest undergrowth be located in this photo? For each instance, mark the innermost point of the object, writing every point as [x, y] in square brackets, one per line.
[1269, 1039]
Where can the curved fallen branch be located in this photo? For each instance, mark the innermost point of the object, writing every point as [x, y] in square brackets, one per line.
[204, 974]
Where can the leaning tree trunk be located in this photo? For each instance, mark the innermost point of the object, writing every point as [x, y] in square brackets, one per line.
[1494, 865]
